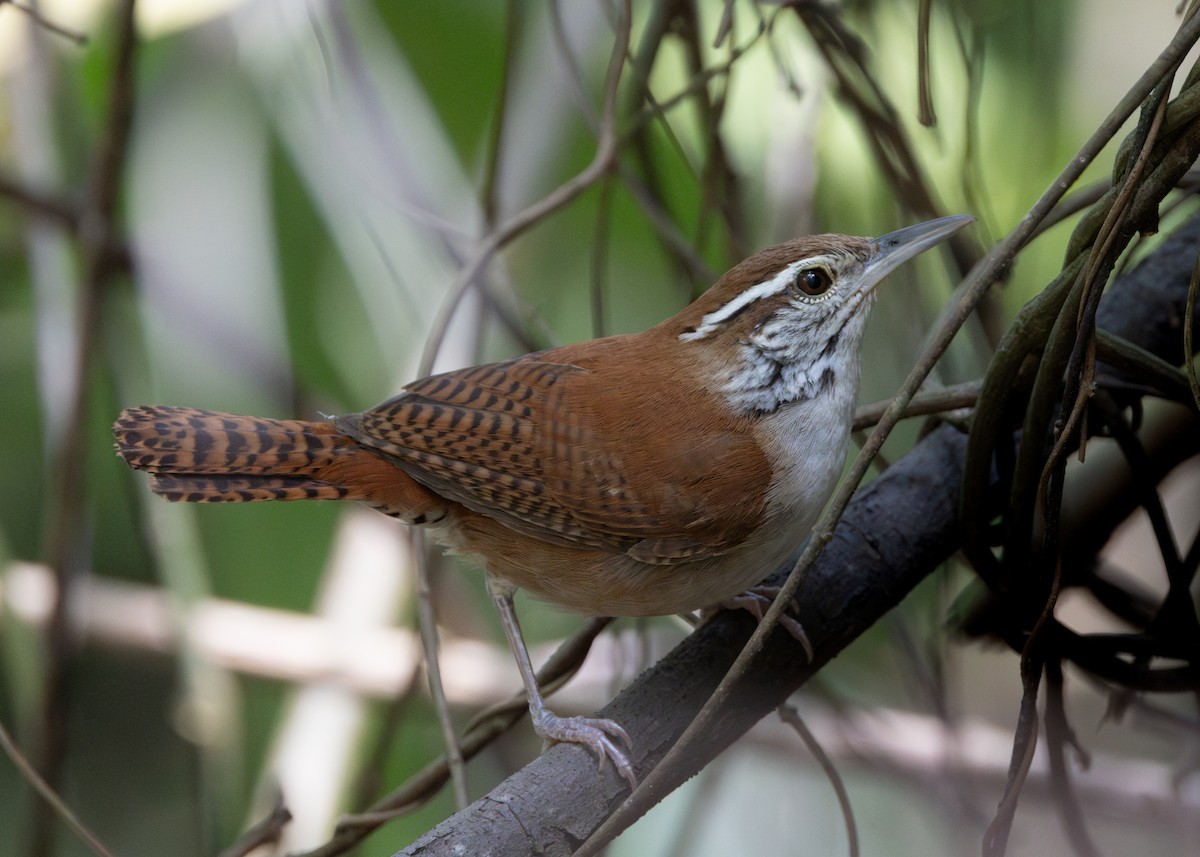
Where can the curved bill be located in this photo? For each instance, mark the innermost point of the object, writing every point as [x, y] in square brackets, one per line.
[894, 249]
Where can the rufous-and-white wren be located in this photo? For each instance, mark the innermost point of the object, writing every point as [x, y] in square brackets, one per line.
[638, 475]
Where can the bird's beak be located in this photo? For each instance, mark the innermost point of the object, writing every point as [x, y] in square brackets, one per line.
[894, 249]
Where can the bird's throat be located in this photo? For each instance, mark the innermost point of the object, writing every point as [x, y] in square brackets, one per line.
[760, 383]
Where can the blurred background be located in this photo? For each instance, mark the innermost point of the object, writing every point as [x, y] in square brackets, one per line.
[284, 232]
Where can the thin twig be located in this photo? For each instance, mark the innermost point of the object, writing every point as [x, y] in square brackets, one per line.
[67, 530]
[427, 623]
[789, 715]
[39, 204]
[513, 19]
[1059, 736]
[926, 114]
[995, 838]
[667, 231]
[599, 266]
[601, 165]
[422, 786]
[56, 803]
[1100, 260]
[266, 831]
[46, 24]
[923, 404]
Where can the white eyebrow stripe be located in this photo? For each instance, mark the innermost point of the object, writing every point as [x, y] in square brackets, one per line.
[719, 316]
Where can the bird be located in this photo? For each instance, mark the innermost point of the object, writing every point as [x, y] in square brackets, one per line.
[642, 474]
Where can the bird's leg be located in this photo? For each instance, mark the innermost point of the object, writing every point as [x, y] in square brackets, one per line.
[599, 735]
[757, 600]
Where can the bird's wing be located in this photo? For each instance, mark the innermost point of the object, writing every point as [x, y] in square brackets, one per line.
[571, 453]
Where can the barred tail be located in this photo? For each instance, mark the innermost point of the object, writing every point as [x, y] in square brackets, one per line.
[208, 457]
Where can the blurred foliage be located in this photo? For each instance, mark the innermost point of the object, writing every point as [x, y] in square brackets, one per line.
[304, 183]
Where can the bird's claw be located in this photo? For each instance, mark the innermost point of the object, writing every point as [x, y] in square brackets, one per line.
[598, 735]
[757, 600]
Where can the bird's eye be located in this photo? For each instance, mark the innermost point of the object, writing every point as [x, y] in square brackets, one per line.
[811, 282]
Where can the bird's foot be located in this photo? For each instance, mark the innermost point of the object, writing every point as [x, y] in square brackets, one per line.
[757, 600]
[603, 737]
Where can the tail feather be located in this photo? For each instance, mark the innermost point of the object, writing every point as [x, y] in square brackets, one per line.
[199, 456]
[242, 489]
[188, 440]
[208, 457]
